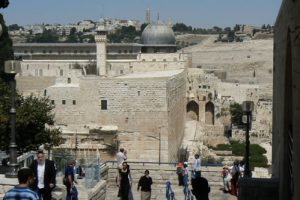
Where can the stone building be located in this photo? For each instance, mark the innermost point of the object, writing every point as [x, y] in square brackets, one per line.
[143, 95]
[138, 94]
[286, 138]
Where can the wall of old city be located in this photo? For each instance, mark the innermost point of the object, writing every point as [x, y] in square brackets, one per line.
[56, 68]
[33, 85]
[176, 92]
[238, 92]
[148, 62]
[286, 102]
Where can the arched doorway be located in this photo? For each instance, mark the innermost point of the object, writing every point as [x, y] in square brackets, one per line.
[192, 109]
[209, 113]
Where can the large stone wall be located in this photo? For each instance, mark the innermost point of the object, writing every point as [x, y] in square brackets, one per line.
[149, 62]
[34, 85]
[238, 92]
[56, 68]
[148, 103]
[286, 103]
[176, 91]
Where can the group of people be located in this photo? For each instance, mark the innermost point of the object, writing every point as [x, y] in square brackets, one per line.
[38, 181]
[200, 187]
[231, 176]
[124, 179]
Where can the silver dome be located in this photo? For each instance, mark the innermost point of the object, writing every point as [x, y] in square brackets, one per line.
[158, 34]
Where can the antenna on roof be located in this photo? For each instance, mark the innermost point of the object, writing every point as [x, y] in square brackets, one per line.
[157, 16]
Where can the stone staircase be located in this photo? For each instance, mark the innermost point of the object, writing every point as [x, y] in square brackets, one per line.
[160, 175]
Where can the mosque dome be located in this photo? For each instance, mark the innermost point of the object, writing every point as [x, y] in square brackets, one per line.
[158, 34]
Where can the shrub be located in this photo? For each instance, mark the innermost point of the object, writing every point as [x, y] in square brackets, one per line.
[222, 147]
[258, 161]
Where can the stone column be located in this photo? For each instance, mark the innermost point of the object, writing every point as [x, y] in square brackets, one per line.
[101, 40]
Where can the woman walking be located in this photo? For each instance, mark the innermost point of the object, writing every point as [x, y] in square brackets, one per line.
[125, 183]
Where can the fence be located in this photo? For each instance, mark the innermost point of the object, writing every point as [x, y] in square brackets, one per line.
[90, 166]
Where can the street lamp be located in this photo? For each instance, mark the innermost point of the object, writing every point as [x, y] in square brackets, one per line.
[11, 69]
[159, 145]
[247, 107]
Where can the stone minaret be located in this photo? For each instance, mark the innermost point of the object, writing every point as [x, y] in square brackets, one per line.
[148, 16]
[101, 39]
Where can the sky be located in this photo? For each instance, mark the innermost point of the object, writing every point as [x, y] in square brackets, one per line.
[196, 13]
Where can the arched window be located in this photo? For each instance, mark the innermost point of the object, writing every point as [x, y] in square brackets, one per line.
[209, 113]
[192, 109]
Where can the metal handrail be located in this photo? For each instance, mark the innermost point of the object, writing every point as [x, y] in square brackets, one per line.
[113, 162]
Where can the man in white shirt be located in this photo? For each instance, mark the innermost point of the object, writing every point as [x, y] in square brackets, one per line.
[121, 157]
[45, 173]
[196, 166]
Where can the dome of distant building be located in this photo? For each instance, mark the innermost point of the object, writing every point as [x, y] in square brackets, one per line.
[158, 34]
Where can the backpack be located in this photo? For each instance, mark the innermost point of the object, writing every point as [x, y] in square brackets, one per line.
[65, 180]
[237, 173]
[179, 170]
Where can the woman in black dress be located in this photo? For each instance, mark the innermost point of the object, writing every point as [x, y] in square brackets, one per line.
[125, 182]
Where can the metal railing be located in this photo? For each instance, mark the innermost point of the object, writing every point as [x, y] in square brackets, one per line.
[143, 163]
[92, 174]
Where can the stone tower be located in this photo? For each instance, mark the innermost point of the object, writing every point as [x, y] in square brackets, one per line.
[148, 16]
[101, 40]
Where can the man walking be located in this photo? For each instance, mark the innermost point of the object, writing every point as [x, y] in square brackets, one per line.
[45, 173]
[196, 166]
[121, 157]
[145, 183]
[22, 191]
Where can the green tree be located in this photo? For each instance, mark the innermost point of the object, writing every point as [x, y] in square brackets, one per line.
[14, 27]
[143, 26]
[33, 119]
[124, 34]
[48, 36]
[236, 112]
[4, 3]
[6, 50]
[181, 27]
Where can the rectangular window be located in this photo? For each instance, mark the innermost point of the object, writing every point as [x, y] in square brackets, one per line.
[63, 102]
[61, 72]
[139, 93]
[74, 102]
[69, 80]
[103, 104]
[52, 102]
